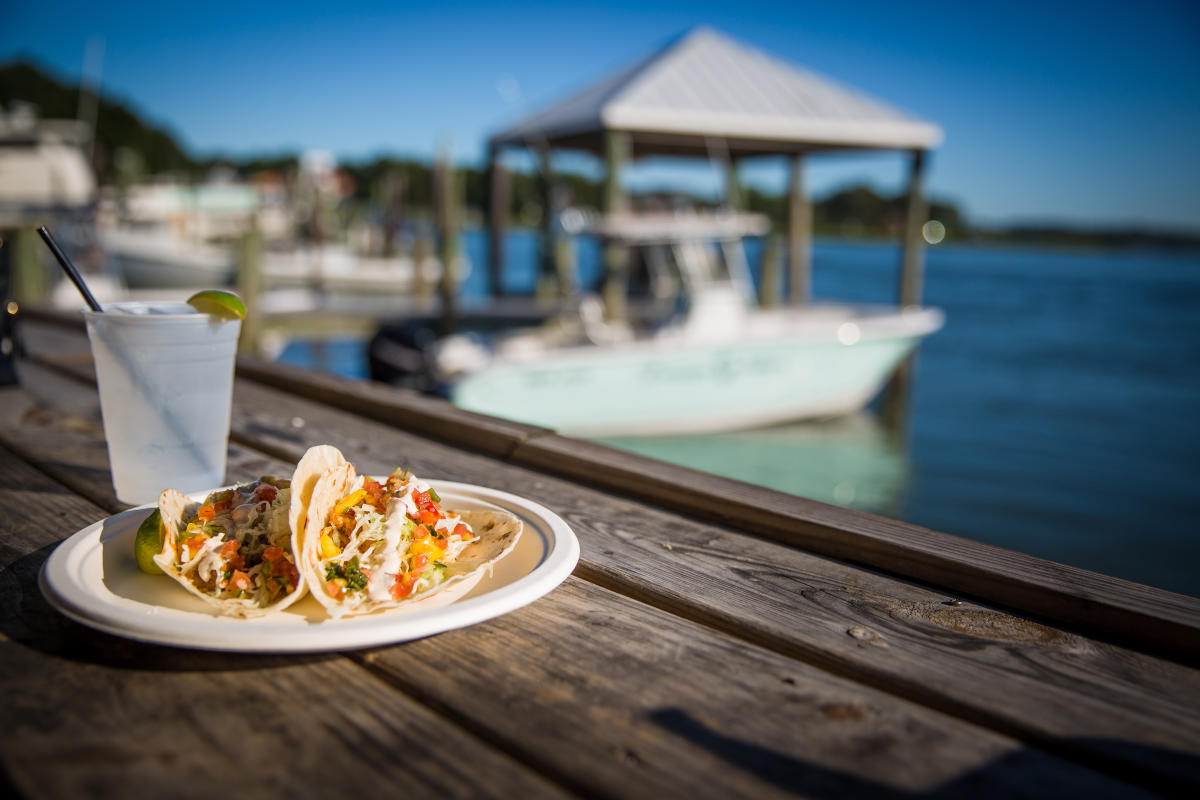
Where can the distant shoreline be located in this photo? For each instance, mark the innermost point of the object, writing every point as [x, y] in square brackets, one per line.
[1072, 241]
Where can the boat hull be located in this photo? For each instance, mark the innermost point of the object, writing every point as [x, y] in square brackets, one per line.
[156, 260]
[660, 390]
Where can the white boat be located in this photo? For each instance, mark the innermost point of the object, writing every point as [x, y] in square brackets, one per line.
[155, 257]
[717, 362]
[158, 258]
[44, 170]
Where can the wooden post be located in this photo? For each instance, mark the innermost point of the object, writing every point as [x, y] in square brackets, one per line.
[799, 235]
[499, 200]
[249, 286]
[547, 279]
[28, 282]
[770, 288]
[445, 195]
[912, 264]
[733, 191]
[617, 146]
[422, 252]
[393, 210]
[898, 395]
[565, 266]
[8, 314]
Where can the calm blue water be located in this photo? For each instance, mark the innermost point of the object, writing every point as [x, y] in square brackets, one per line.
[1057, 413]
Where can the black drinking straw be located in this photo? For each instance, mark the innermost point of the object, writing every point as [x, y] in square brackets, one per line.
[70, 269]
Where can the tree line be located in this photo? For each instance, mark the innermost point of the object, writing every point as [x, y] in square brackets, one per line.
[125, 142]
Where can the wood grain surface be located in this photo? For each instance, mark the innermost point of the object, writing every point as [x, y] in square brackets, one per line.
[1104, 704]
[88, 714]
[1110, 607]
[602, 695]
[1109, 708]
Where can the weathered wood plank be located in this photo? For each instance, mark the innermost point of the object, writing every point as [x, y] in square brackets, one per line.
[612, 698]
[433, 417]
[40, 332]
[1105, 606]
[1088, 698]
[1109, 607]
[628, 701]
[87, 714]
[1080, 697]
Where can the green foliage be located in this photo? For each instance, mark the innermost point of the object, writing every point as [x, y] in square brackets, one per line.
[125, 142]
[117, 125]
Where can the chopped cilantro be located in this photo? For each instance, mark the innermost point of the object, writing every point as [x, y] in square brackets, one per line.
[354, 577]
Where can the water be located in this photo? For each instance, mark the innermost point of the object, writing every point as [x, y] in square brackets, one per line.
[1057, 413]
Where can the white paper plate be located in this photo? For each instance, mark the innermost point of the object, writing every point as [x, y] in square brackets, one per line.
[92, 577]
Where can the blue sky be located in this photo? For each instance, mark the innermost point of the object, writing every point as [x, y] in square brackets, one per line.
[1084, 113]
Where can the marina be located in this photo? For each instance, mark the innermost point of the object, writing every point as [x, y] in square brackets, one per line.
[1035, 336]
[761, 612]
[803, 398]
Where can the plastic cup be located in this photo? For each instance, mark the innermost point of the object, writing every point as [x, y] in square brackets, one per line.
[166, 390]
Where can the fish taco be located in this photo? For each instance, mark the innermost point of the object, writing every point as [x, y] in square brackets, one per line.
[238, 549]
[371, 545]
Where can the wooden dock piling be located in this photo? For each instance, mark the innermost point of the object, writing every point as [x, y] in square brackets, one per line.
[733, 190]
[897, 397]
[249, 283]
[617, 151]
[912, 264]
[770, 282]
[446, 221]
[29, 281]
[499, 199]
[547, 280]
[799, 235]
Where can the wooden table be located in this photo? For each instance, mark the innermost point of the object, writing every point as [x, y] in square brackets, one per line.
[716, 640]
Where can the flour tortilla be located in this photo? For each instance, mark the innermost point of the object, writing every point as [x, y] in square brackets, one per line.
[497, 532]
[174, 508]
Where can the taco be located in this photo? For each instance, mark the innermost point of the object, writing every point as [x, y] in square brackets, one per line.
[237, 550]
[371, 545]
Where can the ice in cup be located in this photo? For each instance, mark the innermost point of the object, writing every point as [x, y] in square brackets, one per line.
[165, 373]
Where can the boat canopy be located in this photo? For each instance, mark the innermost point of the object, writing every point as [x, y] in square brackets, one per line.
[667, 228]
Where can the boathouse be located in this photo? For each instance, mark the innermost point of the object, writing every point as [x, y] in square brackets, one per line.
[705, 95]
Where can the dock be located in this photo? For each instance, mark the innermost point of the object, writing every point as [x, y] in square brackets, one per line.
[716, 639]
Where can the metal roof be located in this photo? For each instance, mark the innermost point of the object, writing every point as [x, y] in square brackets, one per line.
[704, 86]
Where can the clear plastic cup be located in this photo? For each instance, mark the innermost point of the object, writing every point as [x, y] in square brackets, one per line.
[166, 389]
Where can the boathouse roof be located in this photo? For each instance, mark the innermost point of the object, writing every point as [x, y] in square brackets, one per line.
[705, 89]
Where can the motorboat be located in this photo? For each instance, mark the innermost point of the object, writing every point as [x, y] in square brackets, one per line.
[158, 258]
[707, 359]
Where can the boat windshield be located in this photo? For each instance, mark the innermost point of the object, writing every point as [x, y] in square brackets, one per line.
[709, 264]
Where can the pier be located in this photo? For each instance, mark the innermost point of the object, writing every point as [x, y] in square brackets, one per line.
[764, 641]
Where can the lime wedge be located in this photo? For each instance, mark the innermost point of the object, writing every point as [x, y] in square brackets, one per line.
[225, 305]
[149, 543]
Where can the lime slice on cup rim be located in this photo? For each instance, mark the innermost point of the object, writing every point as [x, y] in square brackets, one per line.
[218, 303]
[148, 543]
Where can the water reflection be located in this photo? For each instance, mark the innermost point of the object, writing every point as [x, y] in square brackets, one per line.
[851, 461]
